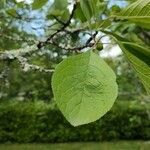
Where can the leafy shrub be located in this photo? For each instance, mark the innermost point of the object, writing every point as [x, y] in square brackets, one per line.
[26, 122]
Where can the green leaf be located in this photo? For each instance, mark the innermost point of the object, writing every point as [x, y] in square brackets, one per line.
[86, 8]
[138, 12]
[21, 5]
[60, 4]
[100, 24]
[144, 25]
[92, 8]
[97, 7]
[139, 57]
[59, 9]
[79, 13]
[84, 88]
[12, 12]
[37, 4]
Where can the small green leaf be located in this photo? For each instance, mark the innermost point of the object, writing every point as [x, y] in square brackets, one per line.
[37, 4]
[86, 8]
[84, 88]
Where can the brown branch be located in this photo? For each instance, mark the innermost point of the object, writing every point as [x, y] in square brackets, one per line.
[73, 48]
[58, 20]
[78, 48]
[92, 37]
[41, 44]
[51, 39]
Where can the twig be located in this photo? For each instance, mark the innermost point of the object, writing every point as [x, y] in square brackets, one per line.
[92, 37]
[41, 44]
[78, 48]
[58, 20]
[72, 48]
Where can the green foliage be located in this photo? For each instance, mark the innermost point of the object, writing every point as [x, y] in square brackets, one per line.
[26, 122]
[2, 3]
[89, 12]
[87, 8]
[119, 145]
[81, 85]
[20, 86]
[102, 24]
[92, 8]
[64, 32]
[79, 14]
[129, 85]
[37, 4]
[59, 9]
[138, 12]
[12, 12]
[139, 58]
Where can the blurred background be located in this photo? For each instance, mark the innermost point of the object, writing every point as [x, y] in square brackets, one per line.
[28, 113]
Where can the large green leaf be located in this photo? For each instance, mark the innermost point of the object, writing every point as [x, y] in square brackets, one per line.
[139, 57]
[84, 88]
[37, 4]
[138, 12]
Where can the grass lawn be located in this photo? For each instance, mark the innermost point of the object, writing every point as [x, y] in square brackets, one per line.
[121, 145]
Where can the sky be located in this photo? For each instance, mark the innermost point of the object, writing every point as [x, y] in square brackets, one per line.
[114, 51]
[120, 3]
[26, 1]
[40, 15]
[36, 26]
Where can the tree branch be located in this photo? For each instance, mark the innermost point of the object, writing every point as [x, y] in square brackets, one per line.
[41, 44]
[78, 48]
[58, 20]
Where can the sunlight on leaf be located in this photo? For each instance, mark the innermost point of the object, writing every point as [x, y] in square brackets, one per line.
[84, 88]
